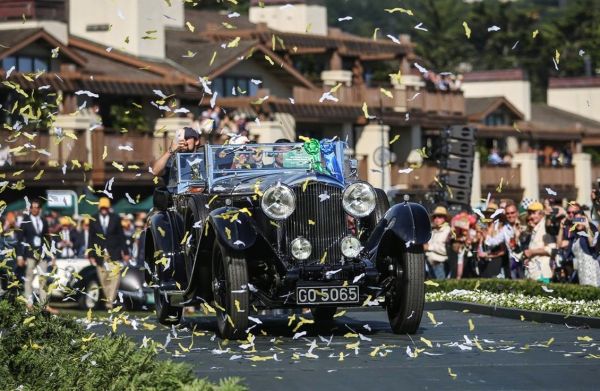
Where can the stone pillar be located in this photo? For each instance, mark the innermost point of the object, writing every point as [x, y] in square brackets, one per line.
[368, 142]
[527, 162]
[476, 181]
[512, 145]
[333, 77]
[583, 177]
[267, 131]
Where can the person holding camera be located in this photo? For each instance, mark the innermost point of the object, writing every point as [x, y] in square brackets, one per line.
[564, 242]
[582, 243]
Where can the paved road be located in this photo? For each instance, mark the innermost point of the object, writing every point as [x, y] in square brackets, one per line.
[496, 354]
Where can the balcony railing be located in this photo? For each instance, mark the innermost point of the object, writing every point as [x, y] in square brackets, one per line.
[502, 177]
[419, 178]
[439, 102]
[556, 176]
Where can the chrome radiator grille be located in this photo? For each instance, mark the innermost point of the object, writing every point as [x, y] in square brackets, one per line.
[329, 222]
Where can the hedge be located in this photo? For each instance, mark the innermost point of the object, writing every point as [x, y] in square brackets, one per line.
[571, 292]
[39, 351]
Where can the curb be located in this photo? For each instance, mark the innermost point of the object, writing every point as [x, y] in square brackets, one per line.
[515, 313]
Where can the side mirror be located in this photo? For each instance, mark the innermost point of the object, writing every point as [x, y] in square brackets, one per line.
[162, 198]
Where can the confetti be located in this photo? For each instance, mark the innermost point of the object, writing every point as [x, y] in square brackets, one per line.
[467, 30]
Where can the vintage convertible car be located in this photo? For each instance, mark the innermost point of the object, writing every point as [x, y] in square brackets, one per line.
[242, 228]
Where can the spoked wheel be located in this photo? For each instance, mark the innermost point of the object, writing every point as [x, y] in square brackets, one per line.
[90, 297]
[230, 289]
[407, 297]
[323, 315]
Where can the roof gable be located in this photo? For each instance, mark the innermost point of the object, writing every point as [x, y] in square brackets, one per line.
[479, 108]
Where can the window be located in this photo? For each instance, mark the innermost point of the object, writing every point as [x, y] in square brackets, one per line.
[496, 118]
[26, 63]
[226, 86]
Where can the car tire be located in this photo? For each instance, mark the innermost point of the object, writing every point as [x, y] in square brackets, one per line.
[407, 296]
[230, 281]
[91, 295]
[166, 313]
[323, 315]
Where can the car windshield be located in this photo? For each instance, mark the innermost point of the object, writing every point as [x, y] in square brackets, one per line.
[261, 159]
[191, 167]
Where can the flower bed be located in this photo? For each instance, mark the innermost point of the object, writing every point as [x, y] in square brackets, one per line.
[571, 292]
[521, 301]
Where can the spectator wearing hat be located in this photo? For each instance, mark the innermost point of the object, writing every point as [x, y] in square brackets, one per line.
[68, 240]
[85, 237]
[188, 142]
[537, 254]
[107, 248]
[435, 249]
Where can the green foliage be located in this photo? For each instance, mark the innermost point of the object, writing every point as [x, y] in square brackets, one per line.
[123, 117]
[525, 287]
[52, 353]
[444, 46]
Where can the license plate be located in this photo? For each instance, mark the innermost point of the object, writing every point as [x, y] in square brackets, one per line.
[327, 294]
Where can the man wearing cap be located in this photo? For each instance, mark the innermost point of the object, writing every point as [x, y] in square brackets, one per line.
[188, 142]
[68, 240]
[540, 247]
[435, 249]
[107, 248]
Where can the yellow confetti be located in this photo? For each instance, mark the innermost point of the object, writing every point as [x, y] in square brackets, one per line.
[323, 257]
[401, 10]
[557, 56]
[212, 59]
[375, 351]
[353, 345]
[124, 271]
[311, 222]
[341, 313]
[426, 342]
[387, 93]
[341, 356]
[452, 375]
[365, 110]
[105, 153]
[471, 325]
[161, 231]
[89, 315]
[367, 300]
[304, 185]
[39, 175]
[431, 283]
[535, 33]
[269, 60]
[118, 166]
[432, 318]
[375, 33]
[499, 188]
[396, 138]
[190, 26]
[350, 335]
[237, 306]
[228, 233]
[230, 321]
[260, 358]
[234, 43]
[29, 320]
[467, 30]
[549, 342]
[291, 319]
[585, 339]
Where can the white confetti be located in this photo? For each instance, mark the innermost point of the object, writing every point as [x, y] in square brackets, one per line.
[255, 320]
[257, 82]
[344, 18]
[414, 96]
[129, 199]
[205, 85]
[550, 191]
[420, 27]
[581, 52]
[493, 28]
[181, 110]
[498, 212]
[410, 353]
[292, 101]
[358, 278]
[11, 70]
[420, 68]
[298, 335]
[233, 15]
[328, 96]
[405, 170]
[394, 39]
[160, 93]
[88, 93]
[125, 148]
[324, 196]
[287, 6]
[546, 289]
[213, 100]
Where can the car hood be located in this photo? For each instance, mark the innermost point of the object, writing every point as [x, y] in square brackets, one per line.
[248, 183]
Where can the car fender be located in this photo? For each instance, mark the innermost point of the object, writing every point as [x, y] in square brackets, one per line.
[407, 221]
[165, 233]
[234, 228]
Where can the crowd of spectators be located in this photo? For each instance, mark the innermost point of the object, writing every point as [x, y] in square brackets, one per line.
[547, 157]
[445, 81]
[217, 126]
[544, 241]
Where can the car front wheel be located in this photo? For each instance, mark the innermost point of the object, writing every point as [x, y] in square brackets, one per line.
[230, 289]
[406, 299]
[323, 315]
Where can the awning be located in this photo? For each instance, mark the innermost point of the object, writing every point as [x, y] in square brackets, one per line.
[124, 206]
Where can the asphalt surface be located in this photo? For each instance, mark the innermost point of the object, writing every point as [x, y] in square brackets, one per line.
[490, 353]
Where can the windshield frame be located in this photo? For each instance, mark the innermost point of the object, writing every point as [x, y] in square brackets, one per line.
[184, 184]
[211, 149]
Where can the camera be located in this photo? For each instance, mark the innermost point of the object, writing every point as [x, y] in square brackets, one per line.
[554, 220]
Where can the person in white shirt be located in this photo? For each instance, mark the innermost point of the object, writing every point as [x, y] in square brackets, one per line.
[435, 250]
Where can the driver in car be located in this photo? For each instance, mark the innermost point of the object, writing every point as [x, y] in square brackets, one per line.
[189, 141]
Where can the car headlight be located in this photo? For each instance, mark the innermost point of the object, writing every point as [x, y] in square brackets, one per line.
[278, 202]
[301, 248]
[359, 199]
[350, 247]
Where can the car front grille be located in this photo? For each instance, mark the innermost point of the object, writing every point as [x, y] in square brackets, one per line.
[329, 222]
